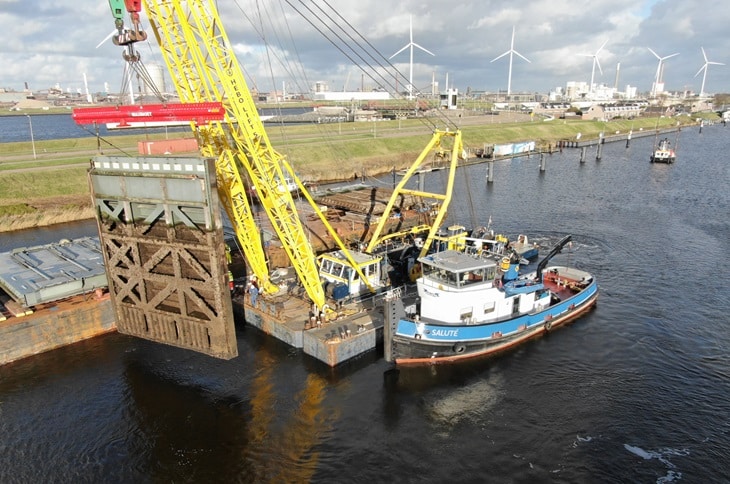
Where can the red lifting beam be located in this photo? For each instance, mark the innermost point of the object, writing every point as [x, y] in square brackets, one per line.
[200, 113]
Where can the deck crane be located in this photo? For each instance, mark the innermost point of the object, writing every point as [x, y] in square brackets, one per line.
[203, 68]
[454, 154]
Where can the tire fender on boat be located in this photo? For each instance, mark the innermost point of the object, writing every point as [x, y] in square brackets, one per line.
[458, 348]
[548, 322]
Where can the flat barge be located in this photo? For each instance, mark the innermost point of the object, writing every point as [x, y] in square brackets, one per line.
[52, 296]
[349, 331]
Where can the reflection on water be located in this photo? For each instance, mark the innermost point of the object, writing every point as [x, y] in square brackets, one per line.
[298, 440]
[201, 436]
[635, 391]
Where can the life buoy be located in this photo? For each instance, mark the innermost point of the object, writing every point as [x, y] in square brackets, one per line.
[459, 348]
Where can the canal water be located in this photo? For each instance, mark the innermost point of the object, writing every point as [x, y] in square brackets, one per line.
[636, 391]
[42, 127]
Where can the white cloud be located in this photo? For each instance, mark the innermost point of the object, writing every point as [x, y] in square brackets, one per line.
[45, 45]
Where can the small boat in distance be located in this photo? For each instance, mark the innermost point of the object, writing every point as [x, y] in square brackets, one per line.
[663, 152]
[524, 249]
[472, 306]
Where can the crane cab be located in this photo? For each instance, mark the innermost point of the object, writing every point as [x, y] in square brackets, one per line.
[334, 268]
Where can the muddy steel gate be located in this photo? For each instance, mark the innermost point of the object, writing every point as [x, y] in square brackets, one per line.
[162, 237]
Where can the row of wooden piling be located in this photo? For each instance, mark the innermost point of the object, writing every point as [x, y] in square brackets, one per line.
[583, 145]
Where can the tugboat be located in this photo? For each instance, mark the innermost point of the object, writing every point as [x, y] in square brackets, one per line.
[663, 152]
[472, 307]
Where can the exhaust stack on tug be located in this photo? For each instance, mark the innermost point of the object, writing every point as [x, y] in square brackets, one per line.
[510, 268]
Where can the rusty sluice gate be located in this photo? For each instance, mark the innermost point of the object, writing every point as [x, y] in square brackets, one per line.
[162, 237]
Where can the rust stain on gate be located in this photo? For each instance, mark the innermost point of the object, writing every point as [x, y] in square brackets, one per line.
[161, 233]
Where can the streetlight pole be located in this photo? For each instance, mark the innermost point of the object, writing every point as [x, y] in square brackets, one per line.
[32, 141]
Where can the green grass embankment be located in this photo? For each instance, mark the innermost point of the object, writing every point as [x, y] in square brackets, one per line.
[374, 150]
[53, 188]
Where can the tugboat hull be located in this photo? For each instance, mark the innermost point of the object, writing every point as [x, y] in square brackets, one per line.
[411, 350]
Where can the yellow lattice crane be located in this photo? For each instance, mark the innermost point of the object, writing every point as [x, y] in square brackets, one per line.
[454, 153]
[196, 81]
[204, 68]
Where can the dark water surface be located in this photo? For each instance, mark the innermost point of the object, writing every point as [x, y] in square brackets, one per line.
[636, 391]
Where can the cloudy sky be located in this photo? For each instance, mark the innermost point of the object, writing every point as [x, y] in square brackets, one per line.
[50, 43]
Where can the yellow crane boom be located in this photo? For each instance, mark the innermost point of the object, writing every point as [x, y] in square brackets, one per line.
[203, 66]
[456, 152]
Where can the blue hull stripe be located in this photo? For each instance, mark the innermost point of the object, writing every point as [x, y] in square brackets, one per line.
[465, 333]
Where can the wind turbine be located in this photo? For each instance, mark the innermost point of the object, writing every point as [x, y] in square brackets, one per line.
[411, 44]
[659, 70]
[704, 68]
[511, 51]
[595, 62]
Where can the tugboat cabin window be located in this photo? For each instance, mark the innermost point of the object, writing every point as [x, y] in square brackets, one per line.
[477, 275]
[457, 269]
[441, 275]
